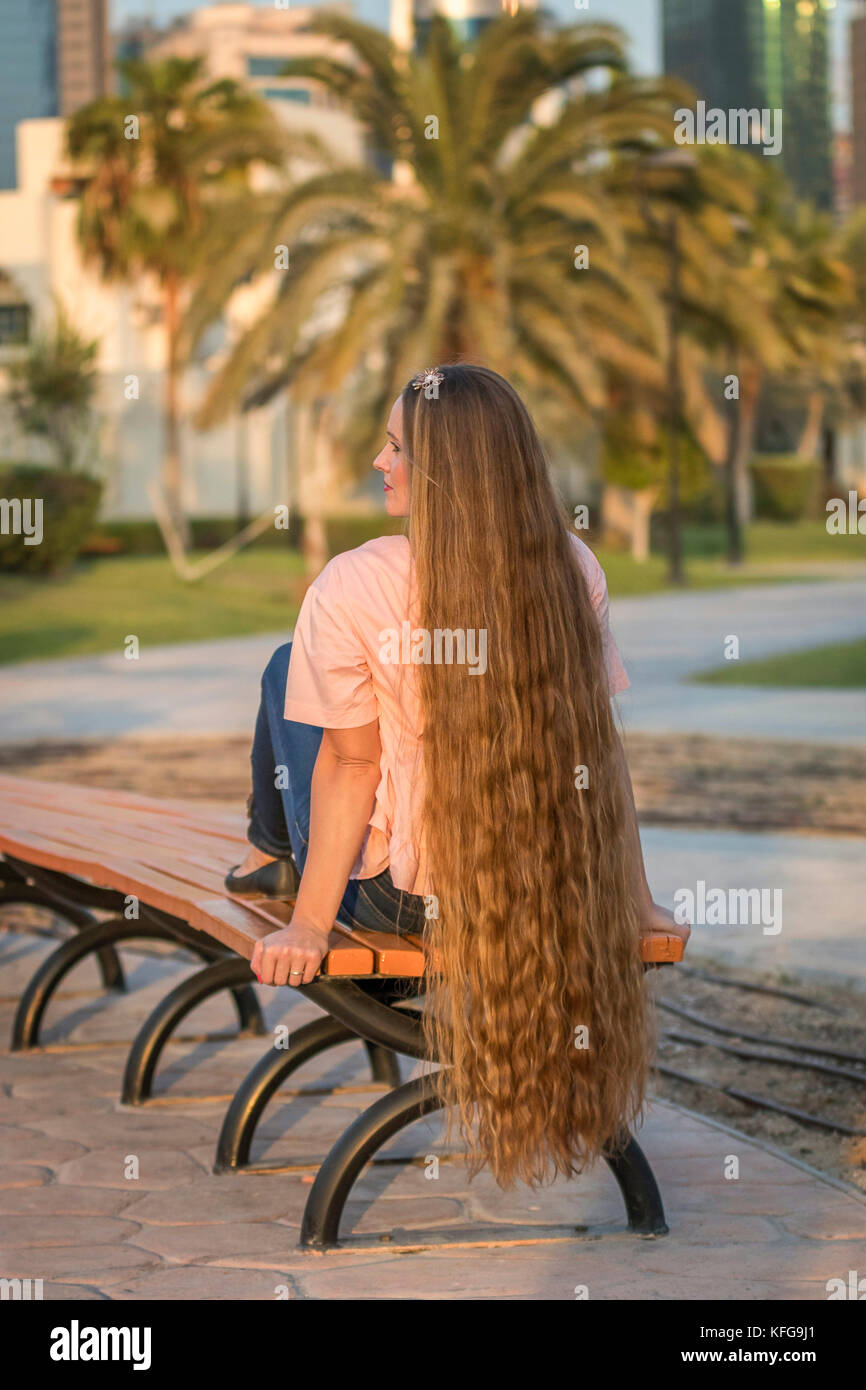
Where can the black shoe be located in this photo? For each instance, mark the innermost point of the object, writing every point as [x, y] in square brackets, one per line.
[279, 879]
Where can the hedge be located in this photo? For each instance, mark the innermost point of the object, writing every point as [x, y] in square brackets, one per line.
[785, 486]
[143, 537]
[70, 503]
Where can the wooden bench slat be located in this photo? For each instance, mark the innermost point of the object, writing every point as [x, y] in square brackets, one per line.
[93, 839]
[70, 791]
[219, 848]
[344, 957]
[394, 956]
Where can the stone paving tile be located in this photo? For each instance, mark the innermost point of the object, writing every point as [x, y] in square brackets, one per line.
[33, 1112]
[415, 1213]
[21, 1175]
[22, 1232]
[816, 1219]
[77, 1261]
[66, 1293]
[62, 1200]
[205, 1282]
[161, 1168]
[28, 1146]
[128, 1125]
[186, 1244]
[224, 1199]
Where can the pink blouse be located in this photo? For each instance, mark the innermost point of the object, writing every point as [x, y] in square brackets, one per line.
[352, 662]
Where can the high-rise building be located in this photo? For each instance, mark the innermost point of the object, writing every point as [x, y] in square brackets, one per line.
[82, 53]
[53, 59]
[858, 106]
[762, 54]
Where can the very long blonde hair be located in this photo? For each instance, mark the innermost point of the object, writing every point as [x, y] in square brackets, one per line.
[536, 1004]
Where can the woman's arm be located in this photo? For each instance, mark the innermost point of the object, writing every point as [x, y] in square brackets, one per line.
[343, 790]
[652, 916]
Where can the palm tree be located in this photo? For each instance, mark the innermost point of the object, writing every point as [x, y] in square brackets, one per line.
[152, 183]
[764, 298]
[499, 153]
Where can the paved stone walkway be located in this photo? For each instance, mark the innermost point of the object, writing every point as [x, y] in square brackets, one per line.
[71, 1217]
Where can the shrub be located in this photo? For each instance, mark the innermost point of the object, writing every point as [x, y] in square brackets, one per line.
[785, 486]
[348, 532]
[70, 502]
[142, 536]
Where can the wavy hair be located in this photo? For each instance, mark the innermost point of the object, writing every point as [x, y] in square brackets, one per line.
[536, 1004]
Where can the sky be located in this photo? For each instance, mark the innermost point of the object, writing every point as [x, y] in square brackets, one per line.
[639, 18]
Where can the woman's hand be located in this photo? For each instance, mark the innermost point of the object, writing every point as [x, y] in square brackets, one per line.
[291, 955]
[656, 918]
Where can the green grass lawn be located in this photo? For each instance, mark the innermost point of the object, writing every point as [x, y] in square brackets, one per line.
[838, 667]
[101, 601]
[775, 551]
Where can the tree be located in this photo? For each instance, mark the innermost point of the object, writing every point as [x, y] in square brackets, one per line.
[765, 296]
[51, 389]
[495, 239]
[156, 165]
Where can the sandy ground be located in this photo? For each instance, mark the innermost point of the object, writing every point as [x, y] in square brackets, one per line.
[692, 781]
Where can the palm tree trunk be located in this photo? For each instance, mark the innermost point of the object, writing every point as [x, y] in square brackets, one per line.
[811, 437]
[747, 418]
[741, 438]
[172, 477]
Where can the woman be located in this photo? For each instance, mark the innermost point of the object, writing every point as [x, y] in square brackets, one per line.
[449, 759]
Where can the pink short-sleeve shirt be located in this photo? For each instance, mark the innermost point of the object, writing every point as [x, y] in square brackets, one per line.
[338, 679]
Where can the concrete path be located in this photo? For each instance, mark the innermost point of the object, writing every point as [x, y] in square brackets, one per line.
[72, 1217]
[212, 687]
[820, 881]
[665, 638]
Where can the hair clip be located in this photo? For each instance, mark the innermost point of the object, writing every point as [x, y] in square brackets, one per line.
[428, 381]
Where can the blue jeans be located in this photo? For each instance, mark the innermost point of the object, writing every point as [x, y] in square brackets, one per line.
[282, 759]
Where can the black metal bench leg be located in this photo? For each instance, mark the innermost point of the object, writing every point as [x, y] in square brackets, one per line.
[264, 1080]
[232, 974]
[89, 941]
[384, 1064]
[334, 1180]
[643, 1203]
[13, 893]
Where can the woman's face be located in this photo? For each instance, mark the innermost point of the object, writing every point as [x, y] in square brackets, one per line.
[392, 463]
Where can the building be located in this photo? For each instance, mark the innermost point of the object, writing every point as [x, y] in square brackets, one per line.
[762, 54]
[40, 264]
[53, 59]
[858, 106]
[410, 19]
[252, 44]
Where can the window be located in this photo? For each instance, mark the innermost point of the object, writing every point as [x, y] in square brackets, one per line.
[286, 94]
[265, 67]
[14, 323]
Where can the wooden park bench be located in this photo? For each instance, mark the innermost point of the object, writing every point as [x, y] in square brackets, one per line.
[78, 851]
